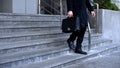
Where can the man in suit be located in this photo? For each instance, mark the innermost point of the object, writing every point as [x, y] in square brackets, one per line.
[78, 10]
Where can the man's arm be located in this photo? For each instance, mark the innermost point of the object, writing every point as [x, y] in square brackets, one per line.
[90, 8]
[70, 8]
[69, 5]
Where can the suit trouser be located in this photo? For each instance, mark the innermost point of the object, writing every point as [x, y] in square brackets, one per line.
[79, 35]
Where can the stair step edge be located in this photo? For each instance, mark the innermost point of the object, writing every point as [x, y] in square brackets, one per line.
[61, 61]
[29, 43]
[30, 54]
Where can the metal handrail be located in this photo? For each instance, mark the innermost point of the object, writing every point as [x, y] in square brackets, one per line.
[97, 23]
[46, 10]
[61, 10]
[89, 29]
[89, 37]
[51, 6]
[56, 3]
[39, 8]
[47, 4]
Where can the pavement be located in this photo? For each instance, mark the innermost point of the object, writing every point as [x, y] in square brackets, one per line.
[103, 61]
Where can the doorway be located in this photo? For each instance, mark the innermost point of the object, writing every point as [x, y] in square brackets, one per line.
[51, 7]
[5, 6]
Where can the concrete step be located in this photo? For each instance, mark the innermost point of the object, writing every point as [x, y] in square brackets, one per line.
[35, 43]
[29, 47]
[13, 32]
[104, 61]
[10, 64]
[113, 50]
[30, 42]
[27, 37]
[32, 56]
[95, 42]
[72, 58]
[20, 19]
[11, 16]
[35, 29]
[30, 32]
[28, 23]
[23, 36]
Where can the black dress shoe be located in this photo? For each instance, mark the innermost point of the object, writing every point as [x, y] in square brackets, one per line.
[80, 52]
[71, 44]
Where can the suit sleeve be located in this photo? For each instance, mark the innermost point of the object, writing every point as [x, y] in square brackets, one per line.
[69, 5]
[89, 6]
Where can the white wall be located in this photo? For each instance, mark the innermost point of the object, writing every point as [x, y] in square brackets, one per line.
[18, 6]
[25, 6]
[111, 25]
[31, 6]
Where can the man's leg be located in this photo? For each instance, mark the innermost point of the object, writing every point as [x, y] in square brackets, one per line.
[80, 38]
[71, 39]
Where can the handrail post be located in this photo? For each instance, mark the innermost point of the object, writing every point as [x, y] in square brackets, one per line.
[89, 29]
[39, 8]
[61, 10]
[25, 6]
[89, 37]
[97, 22]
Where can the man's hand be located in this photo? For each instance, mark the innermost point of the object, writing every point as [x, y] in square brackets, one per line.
[70, 14]
[93, 13]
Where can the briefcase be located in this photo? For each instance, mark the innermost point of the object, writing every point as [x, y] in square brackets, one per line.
[68, 25]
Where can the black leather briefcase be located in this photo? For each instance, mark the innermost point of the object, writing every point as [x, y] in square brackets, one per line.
[68, 25]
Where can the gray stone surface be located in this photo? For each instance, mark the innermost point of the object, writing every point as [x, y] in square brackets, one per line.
[106, 61]
[19, 42]
[29, 43]
[28, 37]
[33, 54]
[28, 24]
[52, 62]
[17, 59]
[70, 58]
[13, 16]
[111, 24]
[34, 30]
[12, 47]
[30, 47]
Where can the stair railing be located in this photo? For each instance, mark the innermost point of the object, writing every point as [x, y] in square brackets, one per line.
[48, 7]
[89, 29]
[60, 5]
[39, 7]
[61, 10]
[97, 19]
[89, 37]
[51, 6]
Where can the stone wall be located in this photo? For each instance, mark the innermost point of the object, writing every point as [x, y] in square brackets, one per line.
[110, 24]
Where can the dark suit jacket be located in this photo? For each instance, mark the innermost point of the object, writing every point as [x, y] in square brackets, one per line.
[79, 8]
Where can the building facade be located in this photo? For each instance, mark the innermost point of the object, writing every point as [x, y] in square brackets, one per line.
[18, 6]
[36, 6]
[32, 6]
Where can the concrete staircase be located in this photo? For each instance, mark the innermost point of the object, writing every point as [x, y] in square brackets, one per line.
[36, 41]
